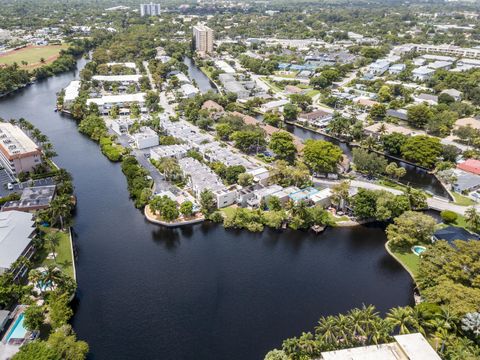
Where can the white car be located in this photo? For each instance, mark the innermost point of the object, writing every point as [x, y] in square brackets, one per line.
[10, 186]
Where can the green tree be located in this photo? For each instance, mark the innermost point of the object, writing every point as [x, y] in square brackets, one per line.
[34, 317]
[341, 194]
[411, 228]
[378, 112]
[282, 145]
[186, 209]
[290, 112]
[249, 140]
[395, 171]
[276, 355]
[369, 162]
[419, 115]
[207, 202]
[472, 216]
[393, 143]
[51, 241]
[58, 310]
[422, 150]
[245, 179]
[402, 318]
[322, 156]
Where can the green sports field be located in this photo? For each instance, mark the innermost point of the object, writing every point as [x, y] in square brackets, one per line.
[32, 55]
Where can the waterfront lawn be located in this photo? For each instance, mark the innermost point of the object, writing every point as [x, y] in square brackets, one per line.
[229, 210]
[64, 252]
[32, 55]
[407, 258]
[462, 200]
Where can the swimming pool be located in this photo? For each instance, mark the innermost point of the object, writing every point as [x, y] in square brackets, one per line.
[17, 331]
[418, 250]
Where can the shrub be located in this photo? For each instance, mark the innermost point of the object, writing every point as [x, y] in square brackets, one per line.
[448, 216]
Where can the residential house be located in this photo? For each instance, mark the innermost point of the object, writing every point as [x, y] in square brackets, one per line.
[145, 138]
[423, 73]
[470, 165]
[426, 98]
[457, 95]
[396, 69]
[318, 118]
[276, 105]
[214, 109]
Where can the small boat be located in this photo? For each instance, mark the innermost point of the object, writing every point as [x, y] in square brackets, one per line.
[318, 229]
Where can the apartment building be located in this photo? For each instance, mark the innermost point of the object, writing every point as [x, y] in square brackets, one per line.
[203, 36]
[18, 153]
[150, 9]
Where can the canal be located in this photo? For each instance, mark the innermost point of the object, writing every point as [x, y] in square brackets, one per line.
[199, 292]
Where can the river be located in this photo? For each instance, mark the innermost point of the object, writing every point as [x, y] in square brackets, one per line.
[200, 292]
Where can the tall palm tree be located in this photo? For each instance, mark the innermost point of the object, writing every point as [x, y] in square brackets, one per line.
[52, 240]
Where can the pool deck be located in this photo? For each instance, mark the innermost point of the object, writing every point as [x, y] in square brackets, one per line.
[7, 351]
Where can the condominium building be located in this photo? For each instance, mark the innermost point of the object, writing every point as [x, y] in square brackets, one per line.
[150, 9]
[18, 153]
[203, 36]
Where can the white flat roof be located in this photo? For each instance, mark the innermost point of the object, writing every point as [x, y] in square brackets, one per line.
[416, 347]
[71, 91]
[130, 65]
[15, 230]
[374, 352]
[123, 98]
[135, 78]
[14, 141]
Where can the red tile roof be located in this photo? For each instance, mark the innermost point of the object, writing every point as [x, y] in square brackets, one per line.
[471, 166]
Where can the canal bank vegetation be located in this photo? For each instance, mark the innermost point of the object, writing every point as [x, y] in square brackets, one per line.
[139, 185]
[94, 127]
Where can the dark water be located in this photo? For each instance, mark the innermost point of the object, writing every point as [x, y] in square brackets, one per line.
[203, 293]
[202, 80]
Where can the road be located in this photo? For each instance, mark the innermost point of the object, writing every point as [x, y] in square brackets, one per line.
[149, 74]
[160, 184]
[434, 203]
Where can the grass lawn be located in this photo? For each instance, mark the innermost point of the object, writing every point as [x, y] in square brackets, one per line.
[408, 259]
[229, 210]
[462, 200]
[32, 55]
[313, 93]
[392, 185]
[64, 253]
[275, 88]
[289, 76]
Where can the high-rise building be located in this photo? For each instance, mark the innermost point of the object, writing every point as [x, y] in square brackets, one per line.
[203, 37]
[150, 9]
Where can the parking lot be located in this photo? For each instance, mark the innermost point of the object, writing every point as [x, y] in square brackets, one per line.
[6, 178]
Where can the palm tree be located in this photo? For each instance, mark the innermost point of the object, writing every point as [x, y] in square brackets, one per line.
[52, 240]
[370, 143]
[326, 329]
[402, 318]
[473, 218]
